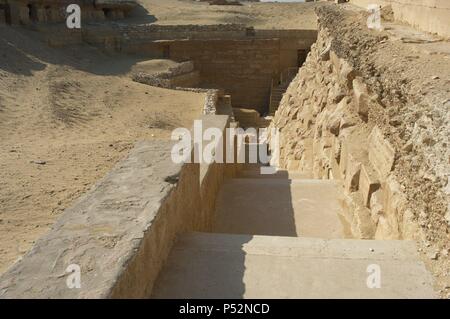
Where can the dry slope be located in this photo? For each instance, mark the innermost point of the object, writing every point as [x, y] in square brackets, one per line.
[66, 117]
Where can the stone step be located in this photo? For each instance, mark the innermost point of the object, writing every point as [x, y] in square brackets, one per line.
[281, 207]
[282, 174]
[241, 266]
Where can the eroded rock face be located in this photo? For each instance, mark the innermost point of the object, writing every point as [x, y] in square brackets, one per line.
[359, 111]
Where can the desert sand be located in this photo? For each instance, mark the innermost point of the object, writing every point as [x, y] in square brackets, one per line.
[67, 116]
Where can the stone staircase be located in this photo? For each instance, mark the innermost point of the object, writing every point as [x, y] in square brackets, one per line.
[283, 236]
[276, 94]
[279, 88]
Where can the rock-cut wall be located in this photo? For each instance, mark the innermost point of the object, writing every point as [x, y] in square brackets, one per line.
[345, 116]
[324, 129]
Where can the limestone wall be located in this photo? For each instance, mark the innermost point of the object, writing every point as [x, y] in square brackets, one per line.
[121, 232]
[427, 15]
[239, 60]
[243, 68]
[324, 129]
[333, 123]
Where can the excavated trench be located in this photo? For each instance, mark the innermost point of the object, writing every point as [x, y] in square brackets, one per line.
[338, 210]
[339, 189]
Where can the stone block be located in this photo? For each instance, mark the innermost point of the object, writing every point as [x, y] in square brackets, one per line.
[381, 153]
[394, 203]
[408, 227]
[394, 199]
[352, 173]
[376, 205]
[347, 74]
[368, 184]
[343, 158]
[335, 171]
[293, 165]
[385, 230]
[361, 97]
[362, 225]
[334, 122]
[347, 204]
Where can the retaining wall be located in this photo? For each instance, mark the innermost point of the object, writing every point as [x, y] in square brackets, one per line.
[121, 232]
[239, 60]
[26, 12]
[328, 122]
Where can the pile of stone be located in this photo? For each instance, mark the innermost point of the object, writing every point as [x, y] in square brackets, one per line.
[183, 74]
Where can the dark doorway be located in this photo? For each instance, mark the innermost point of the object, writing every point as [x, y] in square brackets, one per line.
[7, 11]
[108, 13]
[32, 12]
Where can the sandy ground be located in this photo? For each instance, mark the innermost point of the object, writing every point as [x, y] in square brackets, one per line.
[259, 15]
[66, 117]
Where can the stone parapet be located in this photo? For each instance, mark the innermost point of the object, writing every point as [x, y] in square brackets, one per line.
[120, 233]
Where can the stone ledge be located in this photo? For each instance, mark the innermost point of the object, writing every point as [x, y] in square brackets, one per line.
[104, 230]
[121, 232]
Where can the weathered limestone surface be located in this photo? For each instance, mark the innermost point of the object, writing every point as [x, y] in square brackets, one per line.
[306, 208]
[105, 233]
[323, 119]
[242, 266]
[381, 153]
[182, 75]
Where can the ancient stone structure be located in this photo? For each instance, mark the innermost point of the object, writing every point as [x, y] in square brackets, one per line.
[336, 198]
[27, 12]
[418, 13]
[133, 216]
[183, 75]
[243, 61]
[331, 124]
